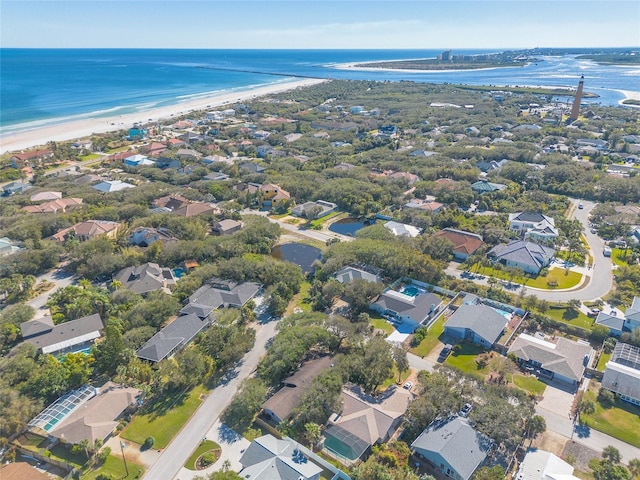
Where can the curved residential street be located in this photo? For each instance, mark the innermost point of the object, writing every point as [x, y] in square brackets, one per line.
[597, 281]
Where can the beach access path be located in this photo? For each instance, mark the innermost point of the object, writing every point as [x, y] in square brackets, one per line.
[89, 126]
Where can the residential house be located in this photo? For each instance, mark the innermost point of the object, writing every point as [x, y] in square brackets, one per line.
[483, 186]
[84, 231]
[599, 145]
[96, 418]
[464, 243]
[564, 360]
[410, 310]
[112, 186]
[166, 163]
[192, 137]
[138, 161]
[271, 458]
[21, 471]
[24, 159]
[426, 205]
[8, 246]
[217, 177]
[252, 167]
[195, 208]
[422, 153]
[173, 338]
[273, 196]
[479, 324]
[171, 202]
[402, 230]
[622, 373]
[453, 447]
[364, 421]
[210, 159]
[281, 404]
[349, 274]
[226, 227]
[614, 323]
[69, 336]
[146, 278]
[220, 293]
[541, 465]
[54, 206]
[45, 196]
[153, 149]
[410, 178]
[188, 154]
[318, 209]
[528, 256]
[534, 226]
[145, 236]
[14, 188]
[492, 165]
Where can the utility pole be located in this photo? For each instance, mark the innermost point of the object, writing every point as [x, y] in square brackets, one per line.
[126, 469]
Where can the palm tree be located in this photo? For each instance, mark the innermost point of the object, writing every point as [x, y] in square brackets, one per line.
[312, 433]
[85, 445]
[588, 407]
[634, 467]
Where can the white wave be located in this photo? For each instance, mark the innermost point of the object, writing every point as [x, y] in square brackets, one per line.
[56, 120]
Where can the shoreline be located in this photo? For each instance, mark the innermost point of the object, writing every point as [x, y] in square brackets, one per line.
[629, 95]
[78, 129]
[353, 66]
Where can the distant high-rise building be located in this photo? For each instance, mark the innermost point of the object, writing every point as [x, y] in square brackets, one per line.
[575, 108]
[445, 56]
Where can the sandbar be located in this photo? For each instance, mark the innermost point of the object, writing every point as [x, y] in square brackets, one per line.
[88, 126]
[629, 95]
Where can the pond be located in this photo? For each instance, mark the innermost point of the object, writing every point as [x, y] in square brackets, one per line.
[349, 226]
[298, 253]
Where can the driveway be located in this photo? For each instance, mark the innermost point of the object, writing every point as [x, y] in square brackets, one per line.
[557, 400]
[172, 459]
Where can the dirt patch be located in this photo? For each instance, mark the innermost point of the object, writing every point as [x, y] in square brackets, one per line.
[551, 442]
[579, 455]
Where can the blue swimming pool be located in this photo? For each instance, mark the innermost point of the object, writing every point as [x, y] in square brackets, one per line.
[412, 290]
[504, 313]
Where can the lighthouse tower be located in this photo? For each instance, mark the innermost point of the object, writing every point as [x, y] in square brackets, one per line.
[575, 108]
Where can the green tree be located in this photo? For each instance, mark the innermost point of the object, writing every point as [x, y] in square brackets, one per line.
[490, 473]
[534, 427]
[312, 433]
[111, 351]
[400, 360]
[246, 404]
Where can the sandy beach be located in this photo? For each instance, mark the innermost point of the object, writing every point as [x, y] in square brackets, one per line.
[629, 95]
[88, 126]
[354, 66]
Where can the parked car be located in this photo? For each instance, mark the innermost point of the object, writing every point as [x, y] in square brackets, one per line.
[594, 312]
[444, 353]
[580, 205]
[464, 412]
[408, 385]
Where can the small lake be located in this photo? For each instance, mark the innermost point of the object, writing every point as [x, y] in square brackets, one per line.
[298, 253]
[349, 226]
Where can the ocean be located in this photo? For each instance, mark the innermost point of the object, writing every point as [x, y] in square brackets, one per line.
[40, 87]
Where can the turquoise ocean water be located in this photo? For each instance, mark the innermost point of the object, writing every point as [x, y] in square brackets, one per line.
[46, 86]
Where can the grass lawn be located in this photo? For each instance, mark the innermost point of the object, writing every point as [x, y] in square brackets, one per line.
[431, 340]
[394, 378]
[91, 156]
[204, 447]
[376, 321]
[529, 383]
[617, 256]
[622, 421]
[64, 454]
[602, 361]
[163, 419]
[555, 274]
[320, 221]
[280, 215]
[463, 357]
[570, 316]
[300, 300]
[114, 466]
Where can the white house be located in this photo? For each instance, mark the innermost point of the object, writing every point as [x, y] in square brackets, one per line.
[534, 226]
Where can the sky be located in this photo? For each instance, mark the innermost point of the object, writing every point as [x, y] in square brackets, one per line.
[330, 24]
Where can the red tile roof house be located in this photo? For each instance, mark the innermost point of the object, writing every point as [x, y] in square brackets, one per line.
[153, 149]
[84, 231]
[20, 160]
[54, 206]
[464, 243]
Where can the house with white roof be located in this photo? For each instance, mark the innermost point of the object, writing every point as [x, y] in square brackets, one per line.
[617, 325]
[403, 230]
[541, 465]
[138, 161]
[534, 226]
[622, 373]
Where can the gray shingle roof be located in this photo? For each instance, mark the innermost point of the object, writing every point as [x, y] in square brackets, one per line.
[609, 321]
[526, 253]
[214, 297]
[68, 334]
[177, 334]
[566, 358]
[417, 307]
[622, 379]
[457, 442]
[483, 320]
[349, 274]
[269, 458]
[145, 278]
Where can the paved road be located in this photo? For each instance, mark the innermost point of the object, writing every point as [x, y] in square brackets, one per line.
[594, 286]
[173, 457]
[61, 278]
[586, 436]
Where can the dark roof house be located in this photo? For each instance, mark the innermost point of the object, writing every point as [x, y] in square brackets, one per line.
[146, 278]
[412, 310]
[453, 447]
[479, 324]
[528, 256]
[219, 293]
[66, 336]
[173, 337]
